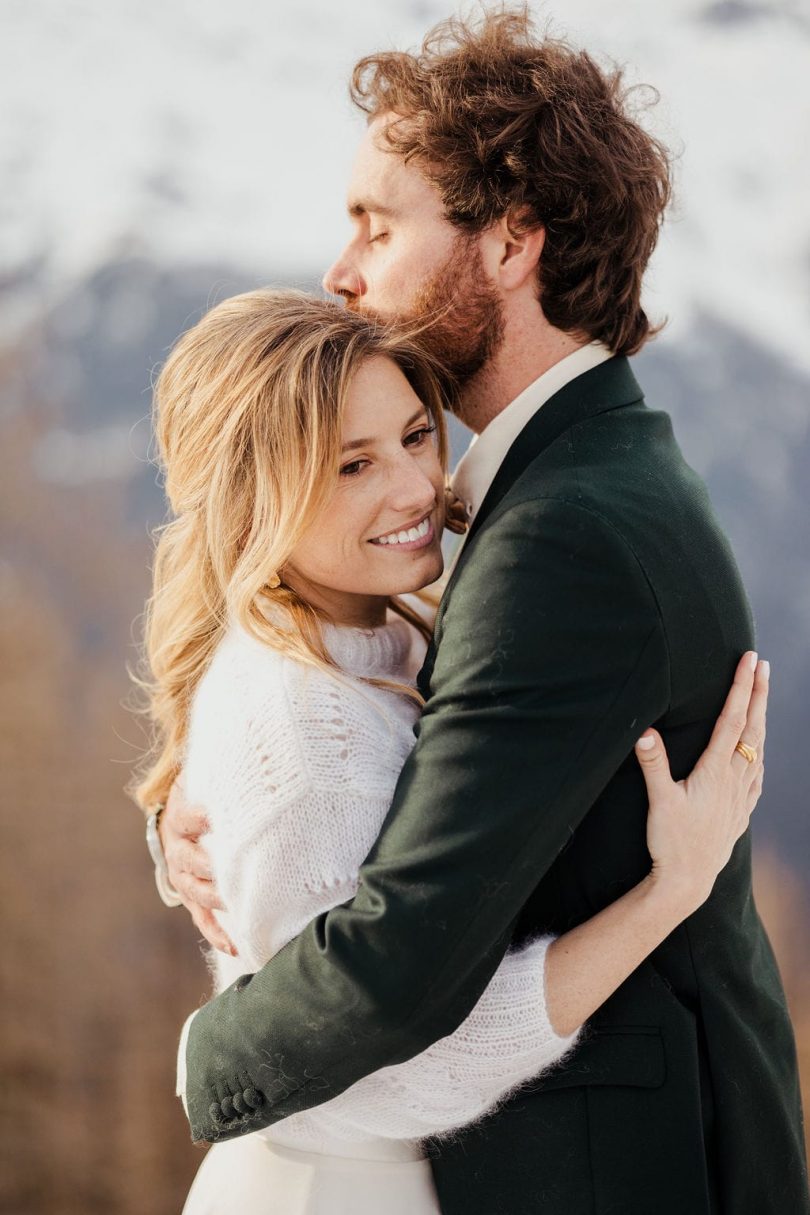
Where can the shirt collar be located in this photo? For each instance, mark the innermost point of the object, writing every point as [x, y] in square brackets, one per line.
[477, 468]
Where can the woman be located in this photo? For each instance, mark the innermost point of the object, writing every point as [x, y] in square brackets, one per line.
[304, 453]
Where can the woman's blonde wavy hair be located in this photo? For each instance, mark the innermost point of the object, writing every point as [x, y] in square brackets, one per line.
[248, 418]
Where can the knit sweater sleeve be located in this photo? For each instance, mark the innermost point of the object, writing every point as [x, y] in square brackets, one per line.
[296, 783]
[506, 1040]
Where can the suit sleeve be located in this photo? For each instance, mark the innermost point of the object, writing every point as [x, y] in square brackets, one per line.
[506, 1040]
[550, 662]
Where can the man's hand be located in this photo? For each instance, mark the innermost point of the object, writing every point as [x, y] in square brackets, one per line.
[189, 868]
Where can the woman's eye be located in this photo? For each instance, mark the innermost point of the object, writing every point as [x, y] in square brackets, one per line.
[417, 437]
[351, 470]
[376, 237]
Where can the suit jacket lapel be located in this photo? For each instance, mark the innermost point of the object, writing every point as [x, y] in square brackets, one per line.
[608, 386]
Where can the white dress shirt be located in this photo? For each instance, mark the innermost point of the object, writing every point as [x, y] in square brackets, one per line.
[477, 468]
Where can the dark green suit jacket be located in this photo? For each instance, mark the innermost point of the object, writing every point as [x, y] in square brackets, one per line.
[595, 595]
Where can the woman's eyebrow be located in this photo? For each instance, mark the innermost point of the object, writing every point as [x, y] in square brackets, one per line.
[354, 443]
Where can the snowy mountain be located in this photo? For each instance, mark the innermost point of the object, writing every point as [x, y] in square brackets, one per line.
[223, 133]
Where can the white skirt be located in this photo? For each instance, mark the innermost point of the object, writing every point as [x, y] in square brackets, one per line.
[254, 1175]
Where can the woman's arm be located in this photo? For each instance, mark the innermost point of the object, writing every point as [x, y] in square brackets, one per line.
[529, 1015]
[692, 828]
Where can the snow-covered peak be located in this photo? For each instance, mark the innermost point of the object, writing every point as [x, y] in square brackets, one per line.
[224, 132]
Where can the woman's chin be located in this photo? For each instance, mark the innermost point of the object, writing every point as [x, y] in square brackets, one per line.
[426, 574]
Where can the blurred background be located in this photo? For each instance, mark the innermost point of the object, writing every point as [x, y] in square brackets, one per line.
[157, 156]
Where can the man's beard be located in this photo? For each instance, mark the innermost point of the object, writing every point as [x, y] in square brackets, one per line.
[457, 316]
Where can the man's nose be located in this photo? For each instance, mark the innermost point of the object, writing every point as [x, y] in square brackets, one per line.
[343, 279]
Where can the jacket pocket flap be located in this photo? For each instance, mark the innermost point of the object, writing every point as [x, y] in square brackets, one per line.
[632, 1056]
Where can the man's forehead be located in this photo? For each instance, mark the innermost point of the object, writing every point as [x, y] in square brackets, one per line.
[381, 182]
[374, 181]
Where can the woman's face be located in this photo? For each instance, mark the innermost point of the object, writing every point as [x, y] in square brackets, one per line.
[380, 533]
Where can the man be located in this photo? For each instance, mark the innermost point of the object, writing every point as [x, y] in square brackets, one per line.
[504, 198]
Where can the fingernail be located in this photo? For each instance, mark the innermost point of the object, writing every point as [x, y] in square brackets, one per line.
[646, 741]
[754, 658]
[766, 668]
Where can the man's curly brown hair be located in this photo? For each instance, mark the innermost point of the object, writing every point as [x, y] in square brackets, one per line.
[506, 123]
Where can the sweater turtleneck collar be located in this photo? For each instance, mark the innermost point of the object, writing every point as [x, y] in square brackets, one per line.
[381, 653]
[390, 651]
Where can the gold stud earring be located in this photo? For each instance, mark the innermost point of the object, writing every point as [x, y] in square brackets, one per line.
[273, 581]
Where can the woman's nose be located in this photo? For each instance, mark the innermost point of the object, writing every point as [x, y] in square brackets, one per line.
[342, 279]
[412, 491]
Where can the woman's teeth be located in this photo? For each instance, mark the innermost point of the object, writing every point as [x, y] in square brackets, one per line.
[413, 533]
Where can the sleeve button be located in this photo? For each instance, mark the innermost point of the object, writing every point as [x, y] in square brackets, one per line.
[253, 1098]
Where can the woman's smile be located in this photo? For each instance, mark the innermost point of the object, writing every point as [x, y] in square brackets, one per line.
[412, 536]
[388, 497]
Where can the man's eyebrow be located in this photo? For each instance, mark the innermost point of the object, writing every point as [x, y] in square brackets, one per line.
[366, 206]
[355, 443]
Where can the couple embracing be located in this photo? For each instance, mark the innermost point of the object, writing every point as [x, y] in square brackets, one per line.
[477, 952]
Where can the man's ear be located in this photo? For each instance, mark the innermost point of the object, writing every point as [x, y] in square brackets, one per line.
[521, 250]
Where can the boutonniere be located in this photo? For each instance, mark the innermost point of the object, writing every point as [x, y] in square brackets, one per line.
[455, 513]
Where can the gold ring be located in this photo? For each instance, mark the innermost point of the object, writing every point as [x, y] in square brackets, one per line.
[746, 752]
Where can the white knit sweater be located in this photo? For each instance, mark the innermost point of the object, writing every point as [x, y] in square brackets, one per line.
[296, 770]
